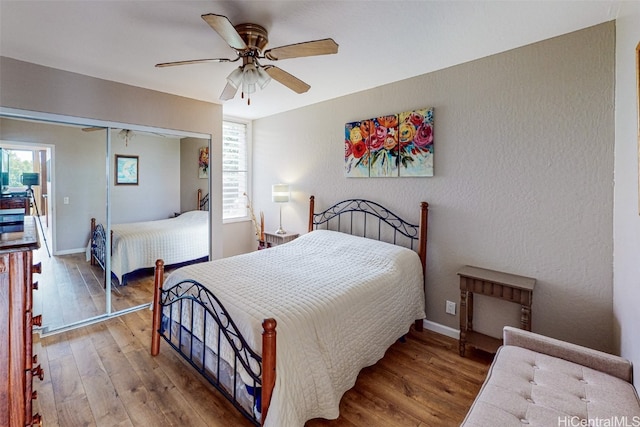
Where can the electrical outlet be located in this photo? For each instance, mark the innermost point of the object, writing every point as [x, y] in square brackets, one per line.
[65, 200]
[450, 308]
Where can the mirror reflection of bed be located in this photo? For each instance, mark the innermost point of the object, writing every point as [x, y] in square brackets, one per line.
[181, 239]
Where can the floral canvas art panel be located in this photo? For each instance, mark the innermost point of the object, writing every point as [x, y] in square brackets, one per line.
[356, 150]
[416, 142]
[383, 146]
[203, 163]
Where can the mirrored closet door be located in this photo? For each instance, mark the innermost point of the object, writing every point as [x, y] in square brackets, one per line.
[113, 175]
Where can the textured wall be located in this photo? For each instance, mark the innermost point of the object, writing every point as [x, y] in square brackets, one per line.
[523, 176]
[626, 288]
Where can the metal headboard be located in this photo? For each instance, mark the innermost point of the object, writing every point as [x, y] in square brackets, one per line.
[203, 202]
[383, 224]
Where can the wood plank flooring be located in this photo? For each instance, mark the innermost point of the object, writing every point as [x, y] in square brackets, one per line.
[71, 290]
[103, 375]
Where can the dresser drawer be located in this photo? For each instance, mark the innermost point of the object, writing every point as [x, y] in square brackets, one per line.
[18, 363]
[14, 203]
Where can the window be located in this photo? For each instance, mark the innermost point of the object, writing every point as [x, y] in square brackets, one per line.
[235, 169]
[20, 161]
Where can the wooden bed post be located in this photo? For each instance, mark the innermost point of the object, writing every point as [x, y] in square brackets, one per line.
[157, 308]
[422, 249]
[311, 210]
[268, 363]
[199, 205]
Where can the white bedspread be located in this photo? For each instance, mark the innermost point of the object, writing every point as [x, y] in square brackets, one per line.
[139, 244]
[340, 301]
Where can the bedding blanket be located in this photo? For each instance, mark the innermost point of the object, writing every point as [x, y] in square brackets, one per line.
[340, 301]
[138, 245]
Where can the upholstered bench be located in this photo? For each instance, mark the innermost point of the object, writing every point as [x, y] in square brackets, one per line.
[540, 381]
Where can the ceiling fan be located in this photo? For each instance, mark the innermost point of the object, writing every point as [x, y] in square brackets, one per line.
[124, 134]
[249, 40]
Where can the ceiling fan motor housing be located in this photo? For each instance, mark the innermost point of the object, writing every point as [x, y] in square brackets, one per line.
[254, 36]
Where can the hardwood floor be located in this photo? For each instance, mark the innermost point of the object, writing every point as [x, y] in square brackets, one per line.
[103, 375]
[70, 290]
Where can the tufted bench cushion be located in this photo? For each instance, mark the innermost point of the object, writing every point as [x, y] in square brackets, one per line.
[554, 383]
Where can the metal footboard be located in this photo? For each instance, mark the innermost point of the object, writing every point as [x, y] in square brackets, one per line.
[202, 319]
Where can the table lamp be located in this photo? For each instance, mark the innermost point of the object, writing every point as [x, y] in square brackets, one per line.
[280, 193]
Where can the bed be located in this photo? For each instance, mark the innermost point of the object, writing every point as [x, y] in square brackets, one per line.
[339, 295]
[135, 246]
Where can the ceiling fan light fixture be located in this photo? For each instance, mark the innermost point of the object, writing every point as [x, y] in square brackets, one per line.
[250, 74]
[248, 88]
[126, 135]
[263, 78]
[235, 78]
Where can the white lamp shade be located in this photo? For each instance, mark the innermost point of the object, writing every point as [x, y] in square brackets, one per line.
[250, 74]
[263, 78]
[246, 78]
[248, 87]
[280, 193]
[235, 78]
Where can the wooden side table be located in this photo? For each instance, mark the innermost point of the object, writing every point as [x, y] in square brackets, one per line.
[505, 286]
[274, 239]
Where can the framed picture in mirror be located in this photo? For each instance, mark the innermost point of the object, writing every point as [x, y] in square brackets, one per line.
[126, 170]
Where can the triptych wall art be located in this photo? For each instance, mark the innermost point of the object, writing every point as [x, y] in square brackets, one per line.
[203, 163]
[390, 146]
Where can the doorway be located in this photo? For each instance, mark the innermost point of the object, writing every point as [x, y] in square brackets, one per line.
[30, 175]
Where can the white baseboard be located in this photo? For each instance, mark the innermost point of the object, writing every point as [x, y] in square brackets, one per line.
[71, 251]
[441, 329]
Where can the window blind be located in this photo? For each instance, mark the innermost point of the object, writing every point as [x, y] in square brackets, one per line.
[234, 170]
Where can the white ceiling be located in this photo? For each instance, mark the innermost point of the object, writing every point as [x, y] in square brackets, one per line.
[380, 41]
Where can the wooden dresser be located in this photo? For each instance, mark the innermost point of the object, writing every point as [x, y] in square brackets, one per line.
[15, 203]
[18, 364]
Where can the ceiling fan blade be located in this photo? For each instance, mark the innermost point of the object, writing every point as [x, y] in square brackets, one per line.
[293, 83]
[194, 61]
[228, 92]
[93, 129]
[312, 48]
[224, 27]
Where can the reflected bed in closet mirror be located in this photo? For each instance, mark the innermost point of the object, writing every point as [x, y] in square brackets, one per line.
[183, 239]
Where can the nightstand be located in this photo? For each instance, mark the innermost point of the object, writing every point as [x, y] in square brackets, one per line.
[273, 239]
[505, 286]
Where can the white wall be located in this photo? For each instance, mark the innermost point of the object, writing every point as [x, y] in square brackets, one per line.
[239, 238]
[626, 285]
[157, 195]
[523, 179]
